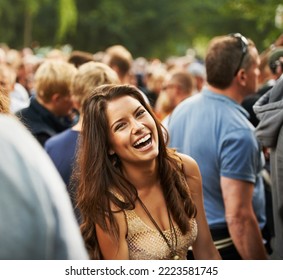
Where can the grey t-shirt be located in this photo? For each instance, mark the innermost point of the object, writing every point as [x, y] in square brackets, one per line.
[36, 216]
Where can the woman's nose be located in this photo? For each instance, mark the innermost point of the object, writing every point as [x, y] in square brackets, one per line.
[137, 126]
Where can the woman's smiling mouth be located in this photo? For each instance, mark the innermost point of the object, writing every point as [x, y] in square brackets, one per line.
[143, 143]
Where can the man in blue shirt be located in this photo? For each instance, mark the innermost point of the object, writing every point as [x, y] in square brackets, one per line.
[213, 128]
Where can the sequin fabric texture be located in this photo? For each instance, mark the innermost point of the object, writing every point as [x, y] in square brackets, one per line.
[146, 243]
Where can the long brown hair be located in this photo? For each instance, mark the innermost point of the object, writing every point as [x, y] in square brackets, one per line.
[100, 175]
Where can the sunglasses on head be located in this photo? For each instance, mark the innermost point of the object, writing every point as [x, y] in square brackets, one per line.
[244, 45]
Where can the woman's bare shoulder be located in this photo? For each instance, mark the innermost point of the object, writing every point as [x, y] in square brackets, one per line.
[190, 165]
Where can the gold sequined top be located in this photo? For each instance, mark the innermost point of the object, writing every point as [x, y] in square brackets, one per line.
[146, 243]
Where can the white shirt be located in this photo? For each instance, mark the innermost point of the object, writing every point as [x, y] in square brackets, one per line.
[36, 217]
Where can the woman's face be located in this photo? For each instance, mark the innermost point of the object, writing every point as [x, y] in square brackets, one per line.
[133, 132]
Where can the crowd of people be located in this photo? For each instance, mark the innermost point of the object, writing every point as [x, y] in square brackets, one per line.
[107, 156]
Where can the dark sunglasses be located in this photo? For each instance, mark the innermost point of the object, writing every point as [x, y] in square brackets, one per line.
[244, 45]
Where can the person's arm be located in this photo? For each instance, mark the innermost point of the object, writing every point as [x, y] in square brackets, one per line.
[203, 247]
[110, 248]
[241, 220]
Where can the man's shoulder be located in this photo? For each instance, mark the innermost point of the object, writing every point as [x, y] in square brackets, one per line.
[33, 111]
[31, 118]
[62, 138]
[187, 105]
[23, 112]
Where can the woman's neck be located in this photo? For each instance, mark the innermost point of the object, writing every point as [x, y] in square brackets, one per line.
[142, 176]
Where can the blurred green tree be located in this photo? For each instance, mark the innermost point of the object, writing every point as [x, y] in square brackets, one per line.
[159, 28]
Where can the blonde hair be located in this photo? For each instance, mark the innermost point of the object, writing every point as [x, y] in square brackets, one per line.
[4, 101]
[89, 76]
[53, 76]
[155, 78]
[8, 72]
[120, 58]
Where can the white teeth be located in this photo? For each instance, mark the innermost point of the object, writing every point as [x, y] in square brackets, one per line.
[145, 138]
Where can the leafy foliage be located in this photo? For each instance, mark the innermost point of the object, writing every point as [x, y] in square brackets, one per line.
[67, 18]
[159, 28]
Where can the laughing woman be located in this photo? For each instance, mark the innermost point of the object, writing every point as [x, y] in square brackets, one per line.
[138, 198]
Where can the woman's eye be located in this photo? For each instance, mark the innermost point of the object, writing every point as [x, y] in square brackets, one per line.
[119, 126]
[140, 112]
